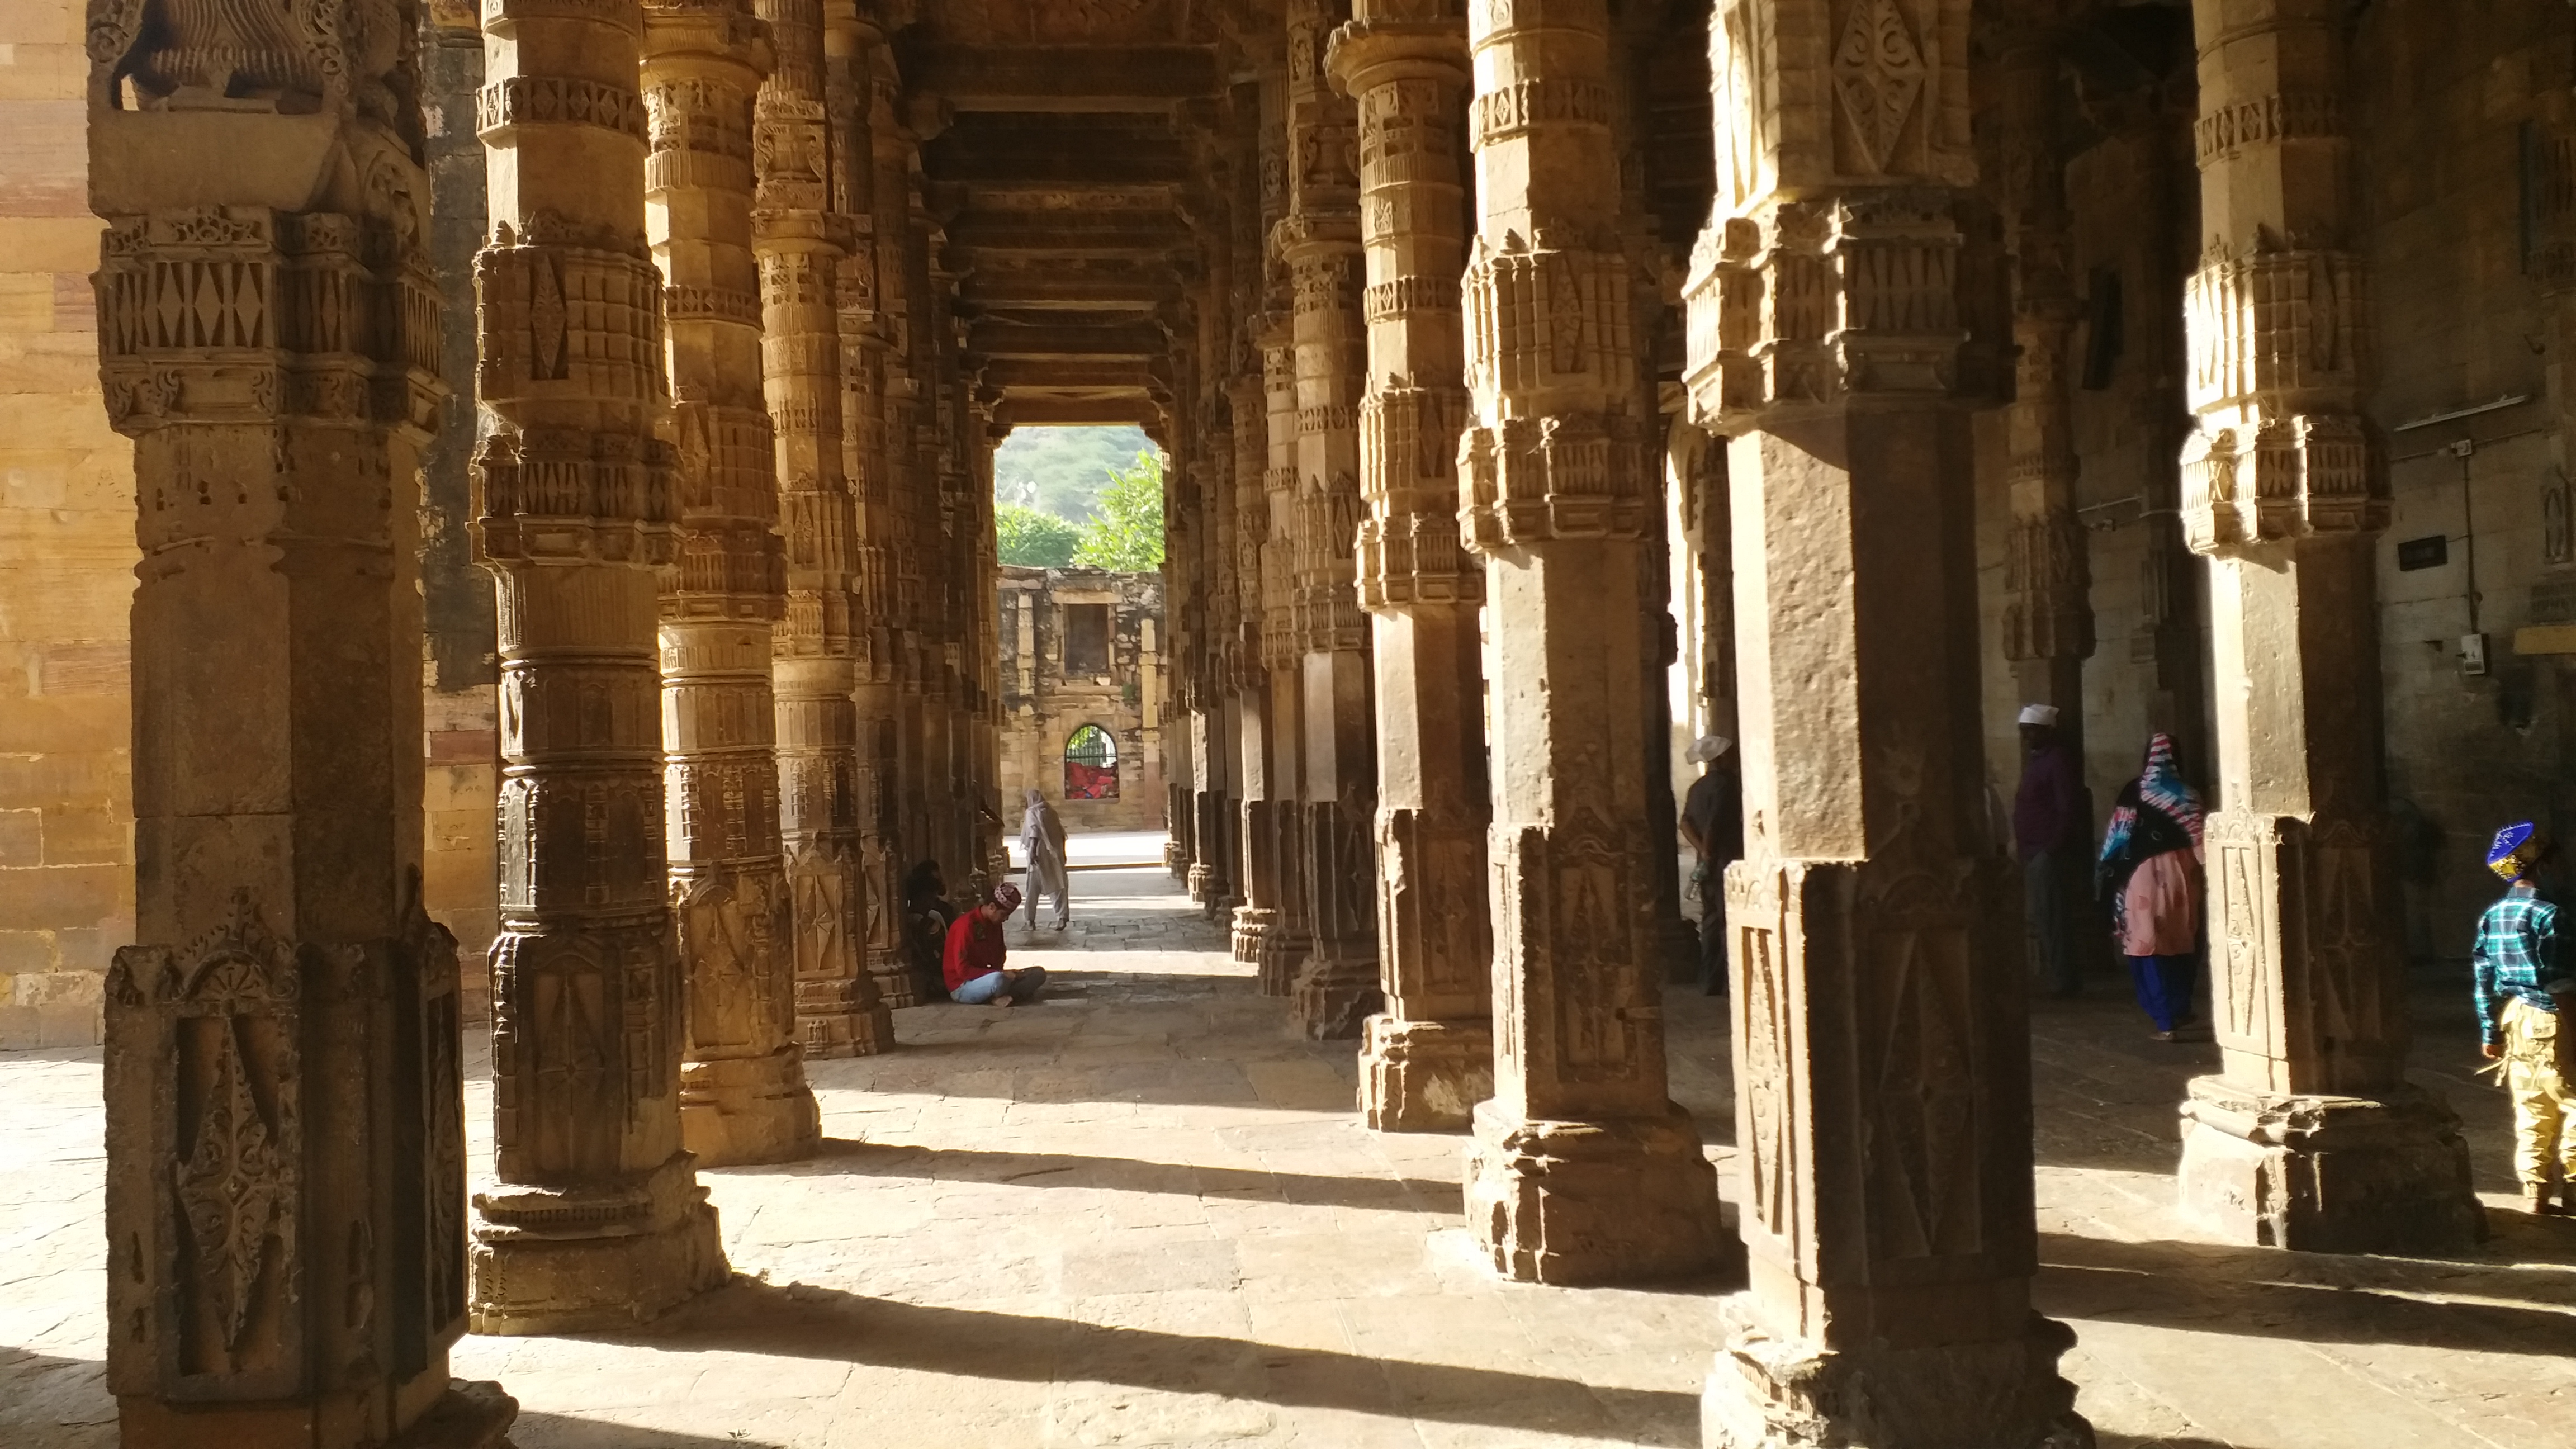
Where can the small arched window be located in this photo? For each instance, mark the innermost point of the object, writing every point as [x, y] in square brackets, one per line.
[1091, 764]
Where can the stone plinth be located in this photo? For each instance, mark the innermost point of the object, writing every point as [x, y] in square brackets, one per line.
[2324, 1174]
[599, 1256]
[1773, 1393]
[1424, 1076]
[1604, 1200]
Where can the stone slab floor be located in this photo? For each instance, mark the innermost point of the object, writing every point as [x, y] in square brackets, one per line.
[1138, 1214]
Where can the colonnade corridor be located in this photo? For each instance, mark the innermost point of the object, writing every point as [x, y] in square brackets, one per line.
[1139, 1212]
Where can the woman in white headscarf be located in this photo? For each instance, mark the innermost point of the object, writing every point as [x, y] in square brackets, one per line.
[1042, 837]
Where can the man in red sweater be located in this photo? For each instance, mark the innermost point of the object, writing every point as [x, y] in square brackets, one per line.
[972, 964]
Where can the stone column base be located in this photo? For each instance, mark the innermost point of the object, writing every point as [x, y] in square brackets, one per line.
[737, 1110]
[830, 1023]
[899, 987]
[1424, 1076]
[1202, 879]
[1768, 1393]
[2329, 1174]
[1251, 924]
[1335, 996]
[595, 1257]
[471, 1414]
[1283, 952]
[1610, 1201]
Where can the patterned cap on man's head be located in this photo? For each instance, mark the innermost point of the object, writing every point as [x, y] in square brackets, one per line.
[2515, 848]
[1007, 896]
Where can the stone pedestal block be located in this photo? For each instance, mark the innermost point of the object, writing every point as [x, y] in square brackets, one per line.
[2325, 1174]
[1605, 1200]
[1424, 1076]
[737, 1110]
[1770, 1393]
[1335, 995]
[604, 1254]
[1252, 925]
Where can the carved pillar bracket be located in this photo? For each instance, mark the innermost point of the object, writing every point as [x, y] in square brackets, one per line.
[1582, 1170]
[284, 1061]
[1428, 1058]
[743, 1096]
[598, 1220]
[1846, 311]
[2310, 1136]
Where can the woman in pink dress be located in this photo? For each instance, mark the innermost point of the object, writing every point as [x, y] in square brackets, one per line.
[2150, 871]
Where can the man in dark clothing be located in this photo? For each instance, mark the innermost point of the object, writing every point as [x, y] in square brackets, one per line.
[2051, 832]
[1713, 823]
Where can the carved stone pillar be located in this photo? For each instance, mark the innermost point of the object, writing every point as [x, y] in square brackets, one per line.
[2048, 608]
[1582, 1169]
[1258, 850]
[598, 1220]
[2310, 1136]
[884, 479]
[1284, 945]
[285, 1140]
[1429, 1058]
[1336, 986]
[1845, 312]
[743, 1096]
[804, 251]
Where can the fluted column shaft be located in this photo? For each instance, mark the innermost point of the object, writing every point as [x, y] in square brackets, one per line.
[802, 248]
[576, 512]
[1285, 944]
[1428, 1058]
[285, 1144]
[2310, 1136]
[1582, 1169]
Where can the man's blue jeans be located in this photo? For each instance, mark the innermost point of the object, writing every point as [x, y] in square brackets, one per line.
[982, 990]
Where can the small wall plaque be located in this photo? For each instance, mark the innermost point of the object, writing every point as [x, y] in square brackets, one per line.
[2429, 552]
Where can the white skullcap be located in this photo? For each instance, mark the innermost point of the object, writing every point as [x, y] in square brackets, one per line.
[2039, 714]
[1709, 747]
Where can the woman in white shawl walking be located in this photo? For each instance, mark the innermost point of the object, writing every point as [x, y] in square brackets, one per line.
[1042, 836]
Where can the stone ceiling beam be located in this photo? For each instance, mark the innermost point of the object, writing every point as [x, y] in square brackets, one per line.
[998, 338]
[1093, 79]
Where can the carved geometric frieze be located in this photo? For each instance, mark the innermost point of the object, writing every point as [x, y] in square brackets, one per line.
[567, 320]
[571, 493]
[1806, 303]
[1879, 74]
[1528, 480]
[2280, 478]
[241, 314]
[516, 101]
[2269, 327]
[2219, 134]
[1540, 316]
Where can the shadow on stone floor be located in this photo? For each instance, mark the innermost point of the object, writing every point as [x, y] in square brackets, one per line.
[563, 1431]
[2318, 1297]
[1127, 1174]
[801, 1320]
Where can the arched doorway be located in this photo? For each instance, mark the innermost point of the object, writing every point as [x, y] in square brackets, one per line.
[1091, 764]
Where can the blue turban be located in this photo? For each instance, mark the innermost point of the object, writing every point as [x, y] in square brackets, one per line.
[2515, 848]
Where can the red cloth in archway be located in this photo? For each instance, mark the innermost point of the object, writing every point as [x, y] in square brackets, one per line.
[1090, 782]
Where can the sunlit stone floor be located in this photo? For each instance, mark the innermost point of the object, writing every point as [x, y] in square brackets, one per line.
[1140, 1214]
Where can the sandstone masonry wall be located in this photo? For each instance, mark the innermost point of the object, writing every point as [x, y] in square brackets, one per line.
[1041, 707]
[66, 560]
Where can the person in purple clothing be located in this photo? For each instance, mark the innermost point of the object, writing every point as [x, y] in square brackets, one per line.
[2051, 832]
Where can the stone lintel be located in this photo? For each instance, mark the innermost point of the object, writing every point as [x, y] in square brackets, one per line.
[1058, 79]
[2329, 1174]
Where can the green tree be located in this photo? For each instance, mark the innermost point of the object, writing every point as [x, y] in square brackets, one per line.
[1061, 470]
[1034, 540]
[1127, 534]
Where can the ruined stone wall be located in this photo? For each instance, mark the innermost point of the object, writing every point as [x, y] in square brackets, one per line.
[1042, 707]
[66, 560]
